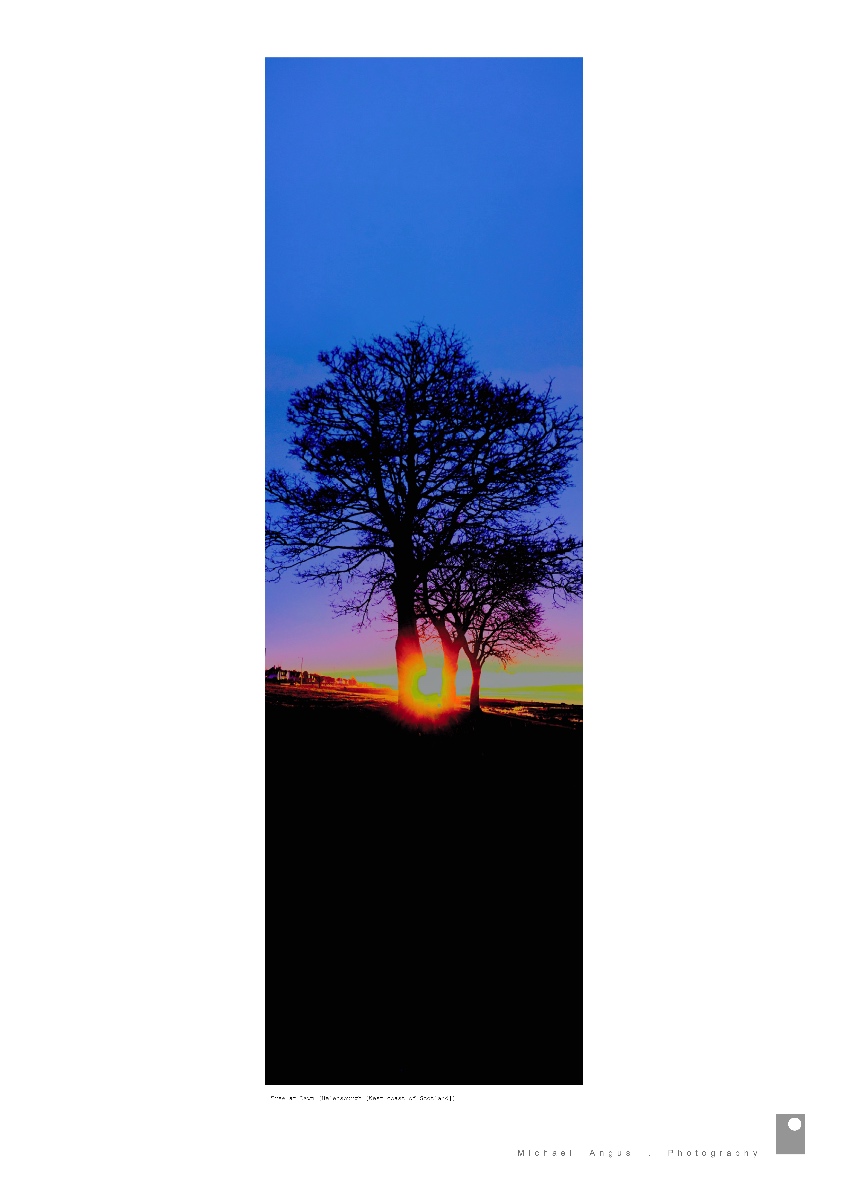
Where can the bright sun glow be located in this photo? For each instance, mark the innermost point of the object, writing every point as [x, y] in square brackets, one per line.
[426, 694]
[427, 705]
[430, 683]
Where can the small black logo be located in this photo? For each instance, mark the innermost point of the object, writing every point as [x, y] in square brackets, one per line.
[790, 1133]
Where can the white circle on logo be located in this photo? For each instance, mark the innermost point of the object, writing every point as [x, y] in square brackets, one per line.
[794, 1123]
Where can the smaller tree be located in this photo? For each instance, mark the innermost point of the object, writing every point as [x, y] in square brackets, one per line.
[483, 597]
[502, 632]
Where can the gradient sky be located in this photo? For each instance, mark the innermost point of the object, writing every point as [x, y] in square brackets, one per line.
[448, 190]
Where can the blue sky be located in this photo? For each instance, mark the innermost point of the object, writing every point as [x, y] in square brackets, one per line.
[448, 190]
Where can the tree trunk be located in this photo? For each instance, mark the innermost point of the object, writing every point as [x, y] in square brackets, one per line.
[410, 660]
[450, 650]
[474, 704]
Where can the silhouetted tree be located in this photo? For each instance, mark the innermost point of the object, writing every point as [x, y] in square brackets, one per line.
[401, 446]
[503, 631]
[484, 597]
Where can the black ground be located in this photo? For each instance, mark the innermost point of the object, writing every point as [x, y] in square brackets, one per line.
[424, 907]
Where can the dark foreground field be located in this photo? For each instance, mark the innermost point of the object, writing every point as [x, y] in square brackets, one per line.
[510, 743]
[424, 887]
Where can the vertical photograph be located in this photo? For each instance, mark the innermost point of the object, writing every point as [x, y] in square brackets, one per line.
[424, 566]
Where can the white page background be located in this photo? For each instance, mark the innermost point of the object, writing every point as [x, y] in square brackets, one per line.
[132, 867]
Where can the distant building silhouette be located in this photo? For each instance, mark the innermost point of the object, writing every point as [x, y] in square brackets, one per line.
[285, 675]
